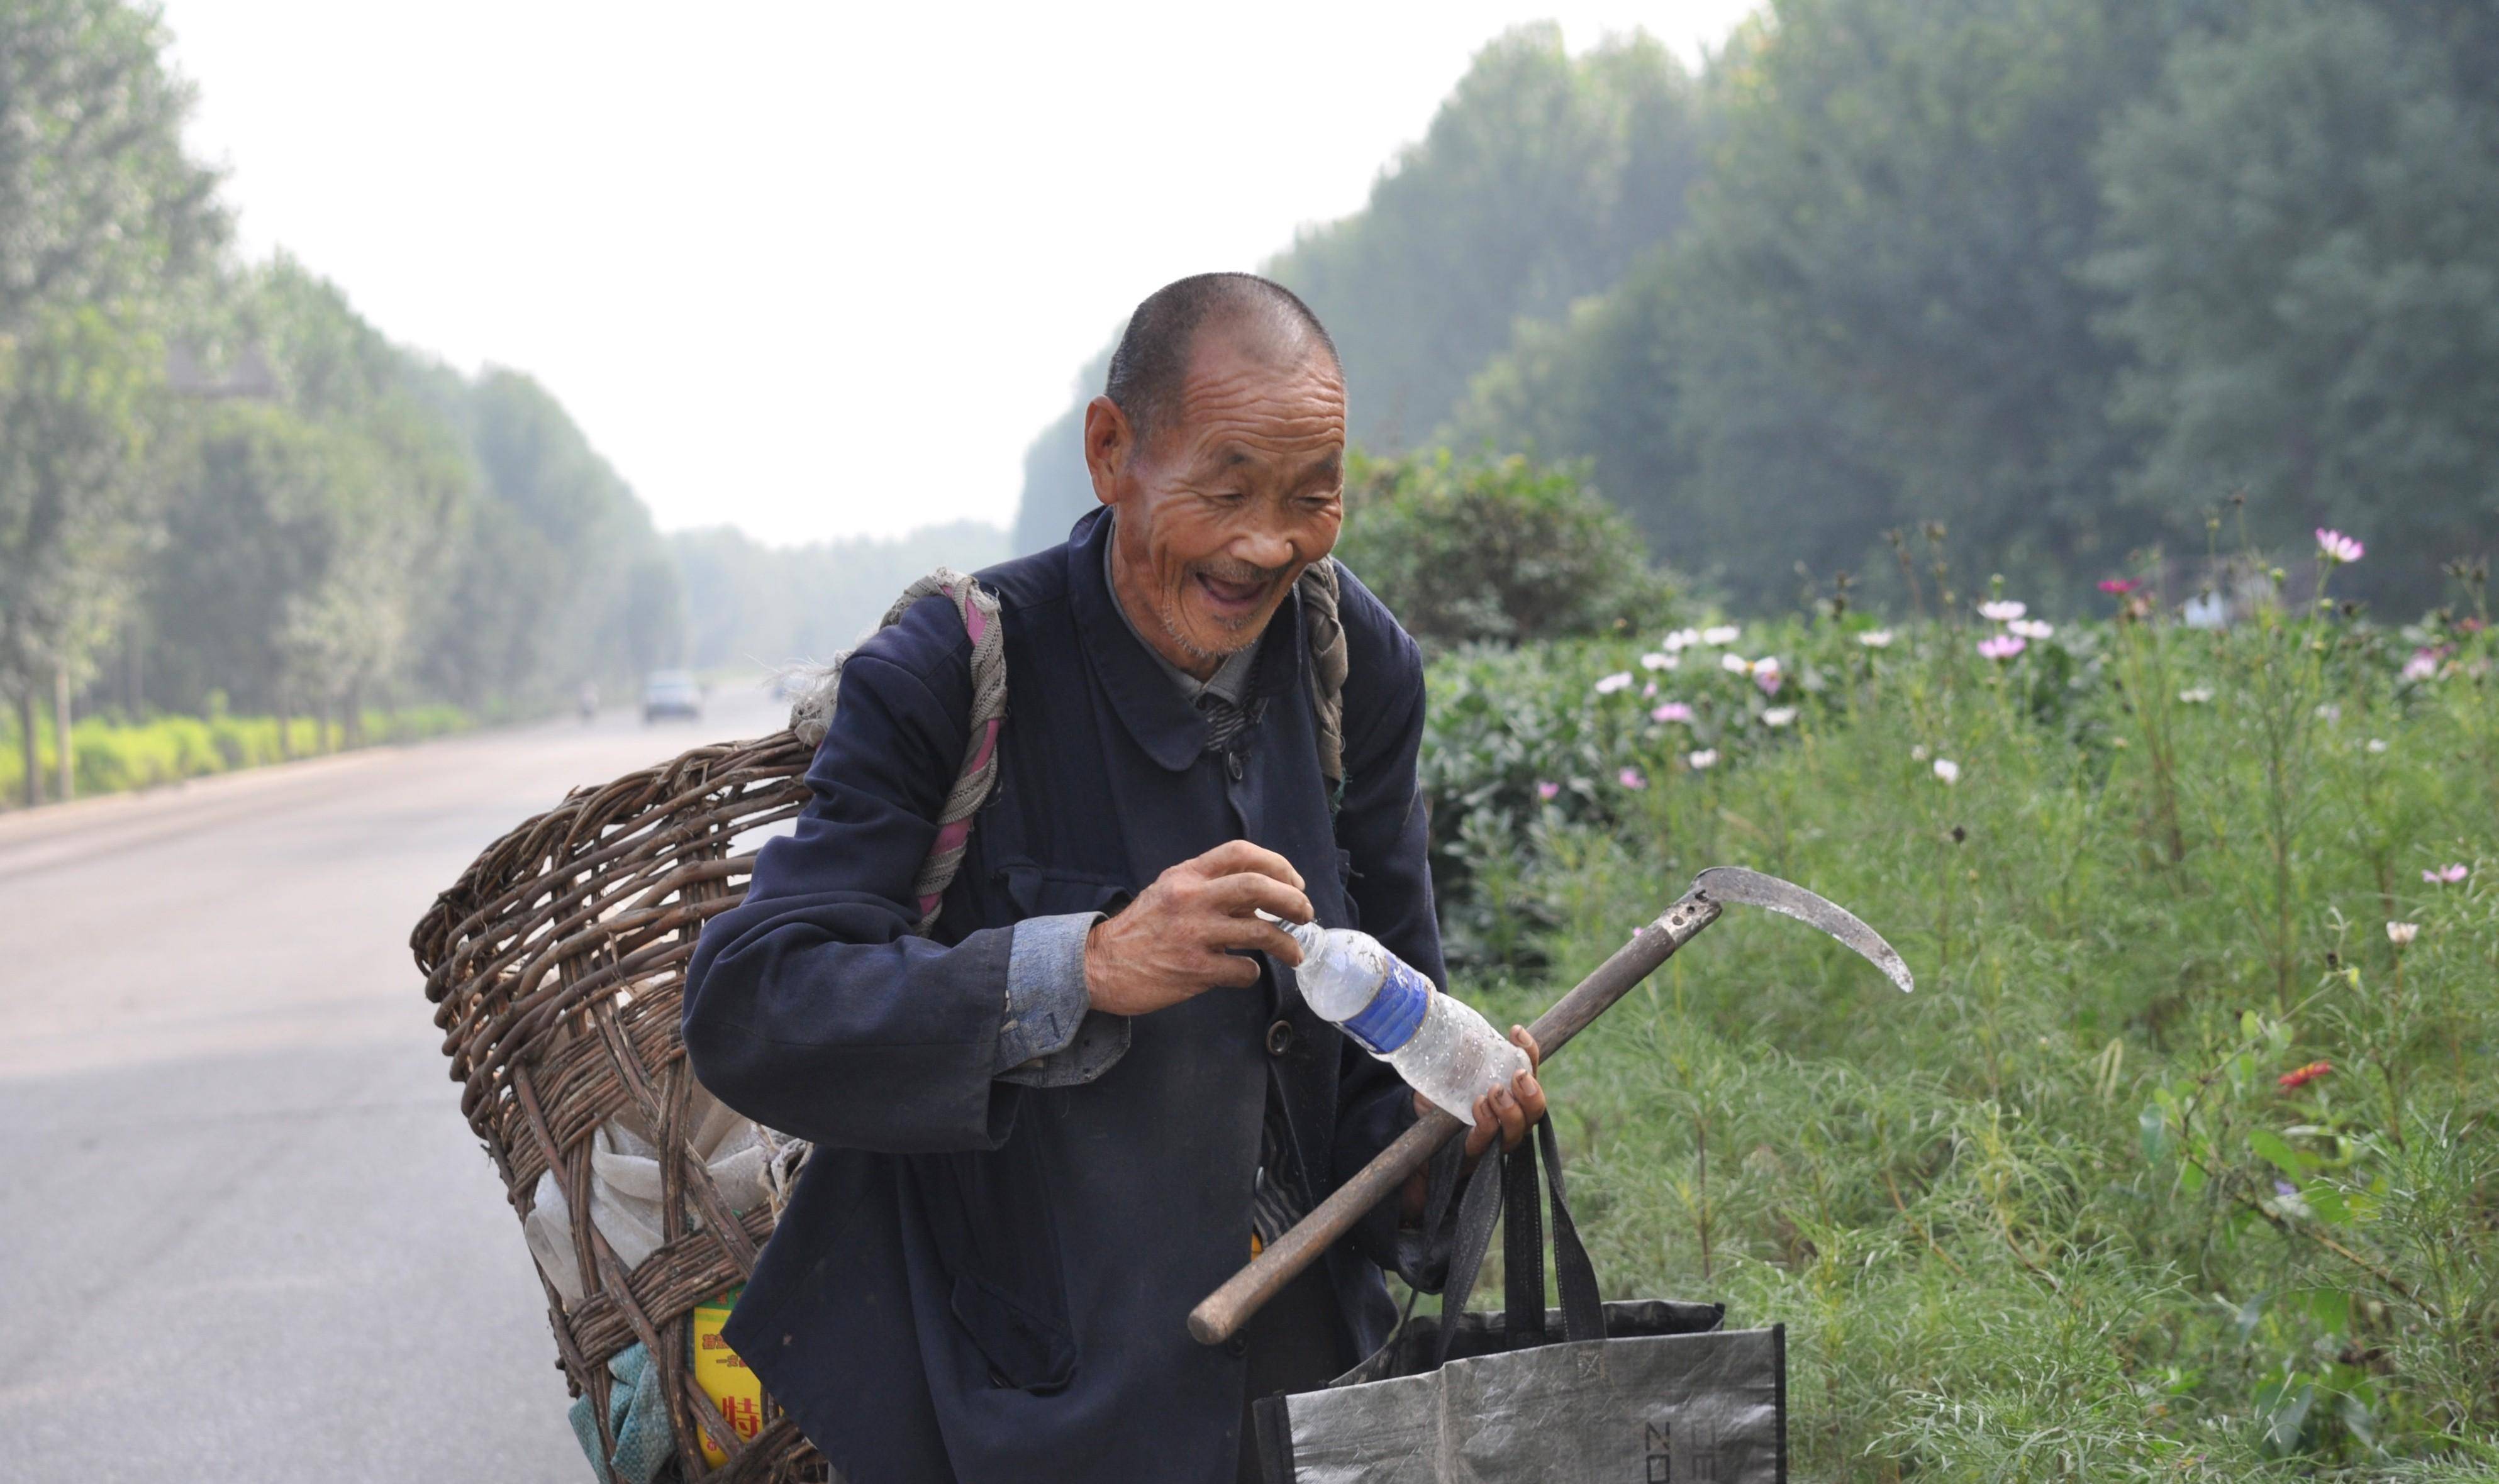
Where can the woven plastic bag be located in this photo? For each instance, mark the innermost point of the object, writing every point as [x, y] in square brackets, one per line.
[624, 1180]
[1650, 1391]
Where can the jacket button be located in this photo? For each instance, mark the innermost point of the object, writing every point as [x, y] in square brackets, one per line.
[1281, 1038]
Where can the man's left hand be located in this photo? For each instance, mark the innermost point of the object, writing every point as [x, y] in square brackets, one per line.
[1509, 1111]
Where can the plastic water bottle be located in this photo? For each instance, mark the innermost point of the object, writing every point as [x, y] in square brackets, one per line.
[1437, 1042]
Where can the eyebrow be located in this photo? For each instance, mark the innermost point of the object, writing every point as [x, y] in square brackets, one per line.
[1232, 456]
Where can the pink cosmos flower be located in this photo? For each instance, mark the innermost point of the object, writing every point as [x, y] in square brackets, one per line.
[1620, 680]
[1547, 791]
[2004, 611]
[1649, 691]
[1631, 777]
[2030, 628]
[2423, 666]
[1657, 661]
[2119, 585]
[2448, 875]
[2336, 548]
[1671, 711]
[1769, 679]
[2005, 646]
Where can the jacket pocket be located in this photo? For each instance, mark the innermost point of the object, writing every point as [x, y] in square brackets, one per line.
[1025, 1350]
[1039, 892]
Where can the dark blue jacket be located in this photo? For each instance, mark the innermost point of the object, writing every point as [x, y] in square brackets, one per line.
[981, 1280]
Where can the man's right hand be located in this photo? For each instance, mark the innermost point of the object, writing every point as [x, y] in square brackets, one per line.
[1169, 944]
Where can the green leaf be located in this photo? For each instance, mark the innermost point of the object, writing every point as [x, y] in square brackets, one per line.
[2155, 1134]
[2269, 1147]
[2191, 1177]
[2326, 1203]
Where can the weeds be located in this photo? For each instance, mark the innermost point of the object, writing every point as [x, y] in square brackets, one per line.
[2180, 1163]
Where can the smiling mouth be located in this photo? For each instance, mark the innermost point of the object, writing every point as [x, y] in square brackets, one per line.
[1233, 599]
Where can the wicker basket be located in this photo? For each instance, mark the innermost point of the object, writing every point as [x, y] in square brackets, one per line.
[557, 965]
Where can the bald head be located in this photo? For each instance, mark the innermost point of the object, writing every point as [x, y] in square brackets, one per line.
[1150, 367]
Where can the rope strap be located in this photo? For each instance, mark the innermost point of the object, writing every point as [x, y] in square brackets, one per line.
[812, 714]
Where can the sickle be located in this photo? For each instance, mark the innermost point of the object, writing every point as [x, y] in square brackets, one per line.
[1223, 1312]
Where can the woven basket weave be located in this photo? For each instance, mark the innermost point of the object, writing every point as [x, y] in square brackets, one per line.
[557, 965]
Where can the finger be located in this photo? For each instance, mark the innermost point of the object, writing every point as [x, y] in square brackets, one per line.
[1237, 894]
[1229, 971]
[1237, 855]
[1529, 1094]
[1513, 1121]
[1254, 934]
[1480, 1137]
[1525, 1040]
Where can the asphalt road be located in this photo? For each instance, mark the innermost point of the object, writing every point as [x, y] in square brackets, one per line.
[244, 1234]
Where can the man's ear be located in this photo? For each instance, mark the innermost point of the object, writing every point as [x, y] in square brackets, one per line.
[1110, 442]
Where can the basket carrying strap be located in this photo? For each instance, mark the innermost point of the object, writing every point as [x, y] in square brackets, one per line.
[812, 714]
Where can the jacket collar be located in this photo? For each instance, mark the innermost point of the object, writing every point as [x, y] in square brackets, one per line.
[1171, 730]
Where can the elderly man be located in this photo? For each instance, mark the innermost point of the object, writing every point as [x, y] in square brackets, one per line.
[1048, 1128]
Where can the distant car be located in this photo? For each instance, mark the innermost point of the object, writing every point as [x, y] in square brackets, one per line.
[671, 693]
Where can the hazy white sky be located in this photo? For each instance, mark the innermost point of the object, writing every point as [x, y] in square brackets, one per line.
[813, 269]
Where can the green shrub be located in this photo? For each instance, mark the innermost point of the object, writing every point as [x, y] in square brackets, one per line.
[114, 756]
[1496, 549]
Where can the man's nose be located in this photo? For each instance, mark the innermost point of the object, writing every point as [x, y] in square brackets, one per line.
[1262, 548]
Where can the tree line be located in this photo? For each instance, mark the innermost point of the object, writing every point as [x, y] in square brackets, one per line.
[221, 488]
[2064, 276]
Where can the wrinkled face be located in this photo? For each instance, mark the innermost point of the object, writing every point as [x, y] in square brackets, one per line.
[1242, 488]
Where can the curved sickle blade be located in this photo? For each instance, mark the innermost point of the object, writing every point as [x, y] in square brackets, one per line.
[1735, 883]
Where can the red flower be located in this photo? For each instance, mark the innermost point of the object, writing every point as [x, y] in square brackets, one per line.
[2119, 584]
[2304, 1075]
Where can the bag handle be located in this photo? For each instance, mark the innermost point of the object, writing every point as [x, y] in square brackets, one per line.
[1513, 1185]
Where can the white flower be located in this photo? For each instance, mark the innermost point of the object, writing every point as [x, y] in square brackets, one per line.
[1658, 661]
[1703, 757]
[1682, 638]
[1723, 633]
[2002, 612]
[1779, 716]
[2196, 695]
[2030, 629]
[1918, 754]
[1948, 770]
[2423, 666]
[1734, 665]
[2401, 933]
[1620, 680]
[2329, 712]
[1876, 638]
[2376, 744]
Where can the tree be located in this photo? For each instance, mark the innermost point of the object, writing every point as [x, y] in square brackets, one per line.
[1539, 180]
[101, 217]
[2304, 237]
[76, 513]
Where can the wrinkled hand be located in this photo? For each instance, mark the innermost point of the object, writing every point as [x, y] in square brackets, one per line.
[1509, 1111]
[1170, 944]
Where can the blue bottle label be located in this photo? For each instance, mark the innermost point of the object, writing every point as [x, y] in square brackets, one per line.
[1395, 1012]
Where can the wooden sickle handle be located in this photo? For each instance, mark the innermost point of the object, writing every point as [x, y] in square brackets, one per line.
[1223, 1312]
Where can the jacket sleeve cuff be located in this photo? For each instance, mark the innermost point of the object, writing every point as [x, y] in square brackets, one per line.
[1049, 1037]
[1046, 997]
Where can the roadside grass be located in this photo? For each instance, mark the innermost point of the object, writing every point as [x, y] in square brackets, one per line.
[2176, 1165]
[109, 755]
